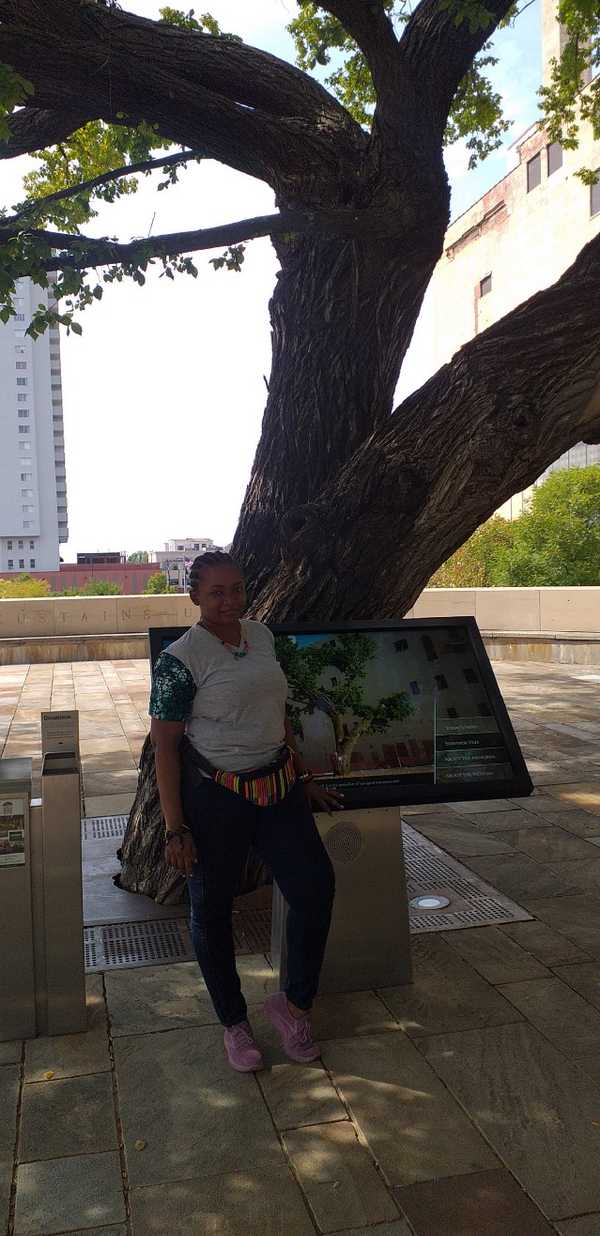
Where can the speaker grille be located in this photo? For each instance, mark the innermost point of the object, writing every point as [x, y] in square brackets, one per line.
[344, 842]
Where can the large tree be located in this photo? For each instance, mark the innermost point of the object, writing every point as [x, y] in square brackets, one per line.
[351, 505]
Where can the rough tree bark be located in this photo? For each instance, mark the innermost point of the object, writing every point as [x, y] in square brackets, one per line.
[350, 507]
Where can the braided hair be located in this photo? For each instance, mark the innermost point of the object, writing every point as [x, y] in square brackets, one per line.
[212, 558]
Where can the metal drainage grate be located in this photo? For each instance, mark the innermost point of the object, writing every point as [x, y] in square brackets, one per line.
[429, 870]
[252, 931]
[97, 827]
[151, 943]
[159, 941]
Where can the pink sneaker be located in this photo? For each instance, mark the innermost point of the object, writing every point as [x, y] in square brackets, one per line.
[296, 1034]
[241, 1050]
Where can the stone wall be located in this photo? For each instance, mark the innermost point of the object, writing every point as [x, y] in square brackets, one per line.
[565, 611]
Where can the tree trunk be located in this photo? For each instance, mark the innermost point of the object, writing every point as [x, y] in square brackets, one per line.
[483, 428]
[342, 316]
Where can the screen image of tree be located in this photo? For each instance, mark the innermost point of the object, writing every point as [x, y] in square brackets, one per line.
[372, 705]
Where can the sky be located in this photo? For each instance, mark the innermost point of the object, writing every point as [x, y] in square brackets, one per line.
[164, 392]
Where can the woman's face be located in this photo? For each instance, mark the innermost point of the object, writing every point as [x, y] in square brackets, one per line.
[221, 594]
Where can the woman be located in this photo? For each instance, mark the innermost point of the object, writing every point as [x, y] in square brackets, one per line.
[229, 774]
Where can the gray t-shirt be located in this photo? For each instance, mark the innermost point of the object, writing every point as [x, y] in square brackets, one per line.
[235, 707]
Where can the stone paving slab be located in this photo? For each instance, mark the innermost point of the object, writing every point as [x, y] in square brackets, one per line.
[194, 1114]
[561, 1014]
[9, 1094]
[413, 1126]
[68, 1117]
[72, 1055]
[495, 956]
[538, 1111]
[586, 1225]
[548, 946]
[169, 997]
[484, 1204]
[61, 1194]
[577, 918]
[10, 1053]
[446, 993]
[298, 1094]
[338, 1177]
[243, 1203]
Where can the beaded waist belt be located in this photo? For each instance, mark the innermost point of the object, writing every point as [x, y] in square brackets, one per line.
[264, 787]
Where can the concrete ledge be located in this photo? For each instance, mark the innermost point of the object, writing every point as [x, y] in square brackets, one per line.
[553, 646]
[50, 649]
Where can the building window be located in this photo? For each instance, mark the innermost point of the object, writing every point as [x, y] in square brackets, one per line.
[554, 156]
[23, 414]
[32, 544]
[32, 562]
[27, 523]
[21, 563]
[27, 508]
[25, 446]
[20, 545]
[19, 317]
[441, 682]
[24, 429]
[61, 508]
[21, 398]
[20, 364]
[27, 493]
[55, 386]
[534, 171]
[11, 564]
[9, 544]
[485, 285]
[429, 647]
[26, 476]
[401, 645]
[55, 373]
[22, 381]
[415, 688]
[595, 195]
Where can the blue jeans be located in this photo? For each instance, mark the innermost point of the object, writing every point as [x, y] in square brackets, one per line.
[286, 837]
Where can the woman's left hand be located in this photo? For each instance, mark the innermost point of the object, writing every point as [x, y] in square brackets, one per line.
[321, 799]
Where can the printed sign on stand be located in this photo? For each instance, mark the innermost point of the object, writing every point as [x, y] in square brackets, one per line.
[12, 832]
[60, 732]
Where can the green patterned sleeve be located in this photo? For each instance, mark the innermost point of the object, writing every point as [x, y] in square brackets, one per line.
[173, 690]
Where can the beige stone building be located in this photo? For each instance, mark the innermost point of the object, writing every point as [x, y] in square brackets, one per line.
[517, 239]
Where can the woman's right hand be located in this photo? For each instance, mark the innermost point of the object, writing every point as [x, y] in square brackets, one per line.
[180, 852]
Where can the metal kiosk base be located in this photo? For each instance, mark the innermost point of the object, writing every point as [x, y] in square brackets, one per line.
[368, 943]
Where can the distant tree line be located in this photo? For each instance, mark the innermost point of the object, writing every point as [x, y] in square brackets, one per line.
[554, 543]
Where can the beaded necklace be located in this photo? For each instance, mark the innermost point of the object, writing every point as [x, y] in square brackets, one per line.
[240, 651]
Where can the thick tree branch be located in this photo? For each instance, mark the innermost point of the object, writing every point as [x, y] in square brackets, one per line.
[370, 27]
[479, 431]
[34, 128]
[80, 252]
[247, 108]
[35, 205]
[438, 53]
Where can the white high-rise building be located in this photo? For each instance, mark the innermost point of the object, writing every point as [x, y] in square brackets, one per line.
[33, 492]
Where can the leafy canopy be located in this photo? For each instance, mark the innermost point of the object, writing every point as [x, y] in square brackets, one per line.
[555, 543]
[101, 163]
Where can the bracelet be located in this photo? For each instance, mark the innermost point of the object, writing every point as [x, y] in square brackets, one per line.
[171, 833]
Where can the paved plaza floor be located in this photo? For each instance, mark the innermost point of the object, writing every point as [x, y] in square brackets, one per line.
[467, 1104]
